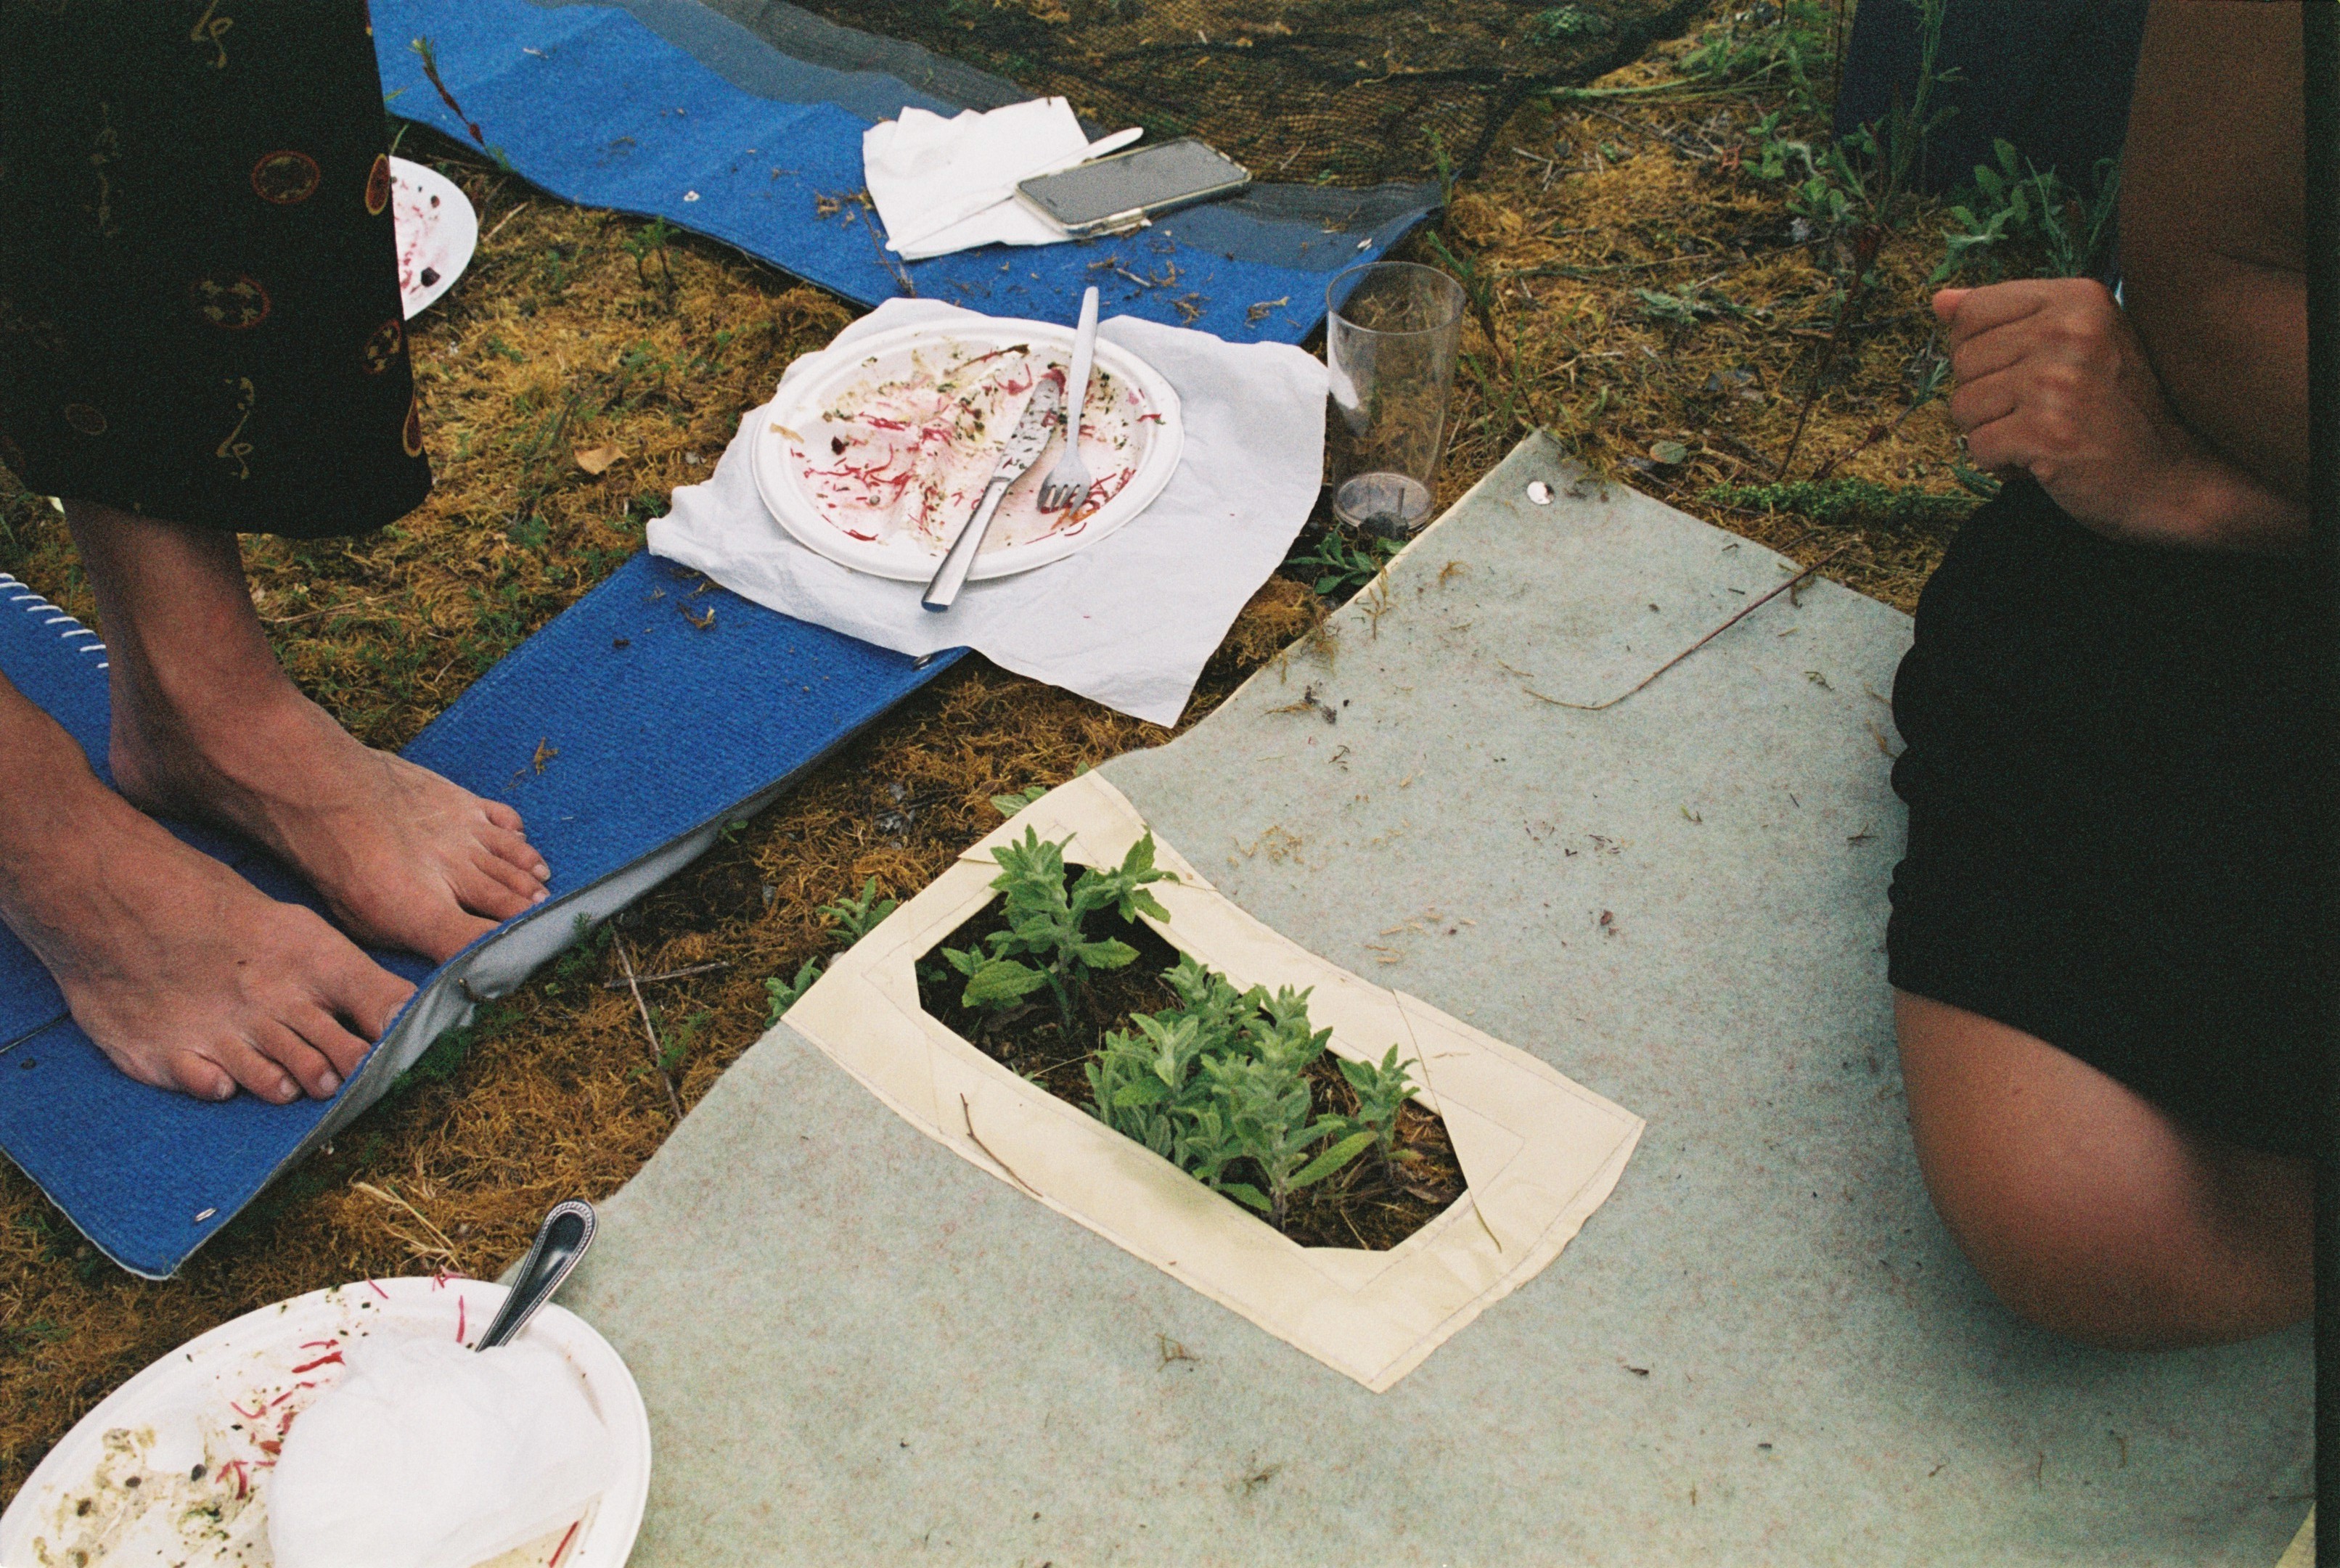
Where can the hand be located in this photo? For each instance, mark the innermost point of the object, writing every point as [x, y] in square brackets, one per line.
[2054, 381]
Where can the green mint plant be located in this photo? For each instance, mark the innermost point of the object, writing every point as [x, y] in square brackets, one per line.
[855, 918]
[1145, 1083]
[783, 994]
[1046, 942]
[1219, 1082]
[1259, 1109]
[1380, 1091]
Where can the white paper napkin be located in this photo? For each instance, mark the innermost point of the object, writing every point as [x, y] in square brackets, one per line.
[945, 185]
[427, 1455]
[1129, 621]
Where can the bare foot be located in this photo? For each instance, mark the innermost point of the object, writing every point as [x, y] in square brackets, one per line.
[186, 975]
[403, 858]
[207, 724]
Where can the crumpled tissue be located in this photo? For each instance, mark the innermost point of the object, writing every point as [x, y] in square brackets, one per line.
[1130, 620]
[945, 185]
[430, 1454]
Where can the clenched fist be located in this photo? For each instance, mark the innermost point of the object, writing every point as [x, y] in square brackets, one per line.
[2054, 381]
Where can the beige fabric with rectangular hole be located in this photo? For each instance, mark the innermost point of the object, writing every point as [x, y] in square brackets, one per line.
[1539, 1153]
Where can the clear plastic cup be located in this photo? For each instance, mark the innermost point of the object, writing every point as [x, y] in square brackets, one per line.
[1391, 340]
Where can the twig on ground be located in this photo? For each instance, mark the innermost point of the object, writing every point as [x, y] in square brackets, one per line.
[665, 974]
[322, 610]
[968, 1115]
[1562, 269]
[1865, 250]
[438, 1245]
[1788, 586]
[1650, 131]
[658, 1048]
[507, 218]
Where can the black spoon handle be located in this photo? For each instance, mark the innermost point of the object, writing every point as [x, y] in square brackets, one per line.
[560, 1241]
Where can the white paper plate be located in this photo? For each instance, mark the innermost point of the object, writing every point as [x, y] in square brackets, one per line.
[269, 1360]
[795, 422]
[437, 232]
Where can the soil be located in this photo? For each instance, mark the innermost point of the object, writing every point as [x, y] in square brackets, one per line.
[1366, 1204]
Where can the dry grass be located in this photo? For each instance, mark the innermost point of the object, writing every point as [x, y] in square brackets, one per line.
[1585, 206]
[558, 340]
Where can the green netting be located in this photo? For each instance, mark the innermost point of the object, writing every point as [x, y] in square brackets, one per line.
[1347, 91]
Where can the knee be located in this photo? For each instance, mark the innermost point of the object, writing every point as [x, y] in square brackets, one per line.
[2020, 1237]
[2087, 1210]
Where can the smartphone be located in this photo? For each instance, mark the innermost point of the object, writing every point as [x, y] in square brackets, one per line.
[1124, 189]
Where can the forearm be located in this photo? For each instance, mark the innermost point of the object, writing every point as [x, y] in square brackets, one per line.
[2211, 503]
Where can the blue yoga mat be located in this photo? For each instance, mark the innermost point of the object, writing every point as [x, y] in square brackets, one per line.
[591, 104]
[653, 731]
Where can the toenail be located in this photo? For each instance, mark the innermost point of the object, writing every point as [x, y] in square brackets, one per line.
[331, 1082]
[223, 1091]
[540, 898]
[543, 869]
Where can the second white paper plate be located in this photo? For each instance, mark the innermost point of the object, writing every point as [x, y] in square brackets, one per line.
[793, 441]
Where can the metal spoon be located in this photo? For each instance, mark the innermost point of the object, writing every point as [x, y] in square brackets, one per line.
[560, 1241]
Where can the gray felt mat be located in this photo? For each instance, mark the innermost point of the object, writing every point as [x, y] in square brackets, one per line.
[858, 1349]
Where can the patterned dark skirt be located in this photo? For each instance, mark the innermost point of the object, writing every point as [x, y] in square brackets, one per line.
[199, 306]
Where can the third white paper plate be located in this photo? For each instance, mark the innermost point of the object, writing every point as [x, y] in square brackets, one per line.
[227, 1398]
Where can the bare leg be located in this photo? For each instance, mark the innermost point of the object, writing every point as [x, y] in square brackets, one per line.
[182, 972]
[2088, 1210]
[206, 724]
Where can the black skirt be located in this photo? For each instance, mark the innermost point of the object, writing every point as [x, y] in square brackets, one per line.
[199, 306]
[2109, 775]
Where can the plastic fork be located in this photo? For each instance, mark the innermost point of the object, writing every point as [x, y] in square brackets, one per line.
[1067, 483]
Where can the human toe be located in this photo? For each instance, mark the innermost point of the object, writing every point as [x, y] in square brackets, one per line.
[306, 1065]
[528, 889]
[502, 815]
[507, 846]
[245, 1063]
[341, 1047]
[362, 995]
[192, 1073]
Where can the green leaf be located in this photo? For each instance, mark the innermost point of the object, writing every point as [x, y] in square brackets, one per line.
[1245, 1192]
[1107, 954]
[1332, 1158]
[1015, 801]
[784, 995]
[1001, 979]
[858, 917]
